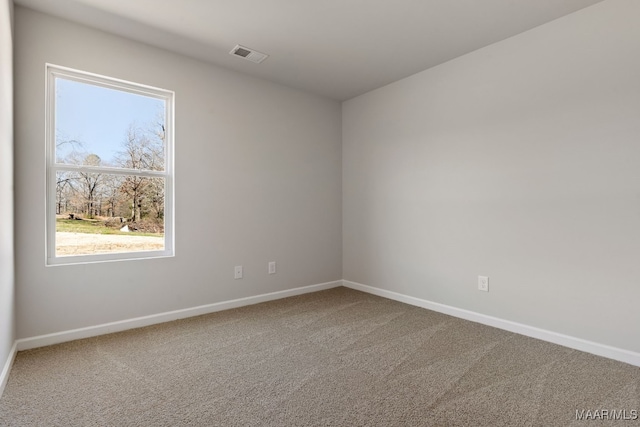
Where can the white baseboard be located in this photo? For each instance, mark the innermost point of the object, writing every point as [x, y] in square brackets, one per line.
[598, 349]
[4, 375]
[138, 322]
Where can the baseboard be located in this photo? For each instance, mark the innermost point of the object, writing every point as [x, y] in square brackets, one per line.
[4, 375]
[598, 349]
[138, 322]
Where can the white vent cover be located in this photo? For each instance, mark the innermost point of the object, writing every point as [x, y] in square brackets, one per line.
[250, 54]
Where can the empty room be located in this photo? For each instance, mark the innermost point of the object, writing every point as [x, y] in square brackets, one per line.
[330, 212]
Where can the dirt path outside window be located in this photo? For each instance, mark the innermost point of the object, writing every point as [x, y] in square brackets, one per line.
[89, 244]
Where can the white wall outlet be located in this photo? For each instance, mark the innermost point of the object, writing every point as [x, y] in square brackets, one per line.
[483, 283]
[272, 267]
[238, 272]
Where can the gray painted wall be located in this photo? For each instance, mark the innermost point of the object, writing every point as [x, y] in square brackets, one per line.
[7, 327]
[258, 179]
[520, 161]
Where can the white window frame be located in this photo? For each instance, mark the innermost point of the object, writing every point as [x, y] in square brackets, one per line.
[55, 71]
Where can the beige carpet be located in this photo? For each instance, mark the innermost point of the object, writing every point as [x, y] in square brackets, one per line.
[333, 358]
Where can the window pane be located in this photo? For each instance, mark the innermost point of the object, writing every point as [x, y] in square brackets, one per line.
[109, 157]
[99, 213]
[99, 126]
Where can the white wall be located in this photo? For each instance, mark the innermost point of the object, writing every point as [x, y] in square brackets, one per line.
[258, 179]
[520, 161]
[7, 327]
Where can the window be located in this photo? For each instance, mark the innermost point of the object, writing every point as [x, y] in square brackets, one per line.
[109, 169]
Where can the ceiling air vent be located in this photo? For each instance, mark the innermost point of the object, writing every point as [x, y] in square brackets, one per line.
[250, 54]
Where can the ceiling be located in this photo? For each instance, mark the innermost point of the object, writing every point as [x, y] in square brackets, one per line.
[335, 48]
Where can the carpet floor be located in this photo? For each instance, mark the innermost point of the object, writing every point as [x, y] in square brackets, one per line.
[332, 358]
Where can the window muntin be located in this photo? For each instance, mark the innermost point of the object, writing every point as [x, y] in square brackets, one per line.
[109, 168]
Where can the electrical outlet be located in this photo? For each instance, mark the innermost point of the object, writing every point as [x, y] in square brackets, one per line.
[272, 267]
[238, 272]
[483, 283]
